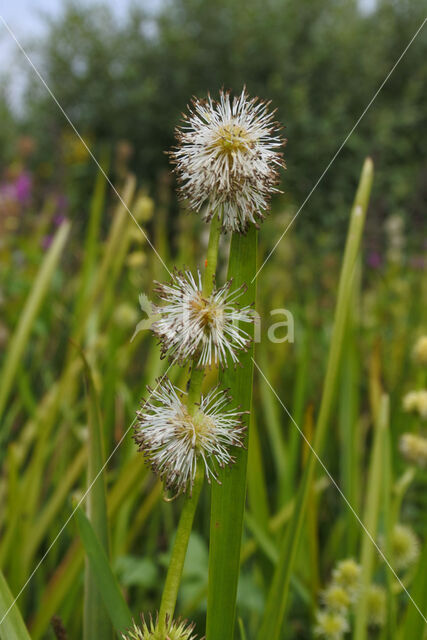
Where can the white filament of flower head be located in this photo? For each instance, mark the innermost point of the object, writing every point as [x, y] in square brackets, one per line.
[227, 160]
[173, 440]
[194, 326]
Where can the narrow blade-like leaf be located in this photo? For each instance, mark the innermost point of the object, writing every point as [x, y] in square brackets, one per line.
[279, 590]
[114, 604]
[12, 626]
[228, 498]
[95, 622]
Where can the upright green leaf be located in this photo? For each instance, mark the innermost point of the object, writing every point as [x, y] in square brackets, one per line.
[12, 626]
[257, 486]
[228, 498]
[91, 248]
[348, 412]
[114, 605]
[29, 313]
[414, 625]
[95, 624]
[278, 595]
[371, 516]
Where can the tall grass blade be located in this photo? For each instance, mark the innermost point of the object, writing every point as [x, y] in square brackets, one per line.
[95, 623]
[228, 499]
[371, 516]
[348, 411]
[12, 627]
[97, 205]
[388, 524]
[278, 595]
[257, 486]
[115, 607]
[274, 430]
[413, 624]
[29, 313]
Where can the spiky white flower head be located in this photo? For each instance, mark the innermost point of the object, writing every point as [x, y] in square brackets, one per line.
[331, 625]
[405, 547]
[174, 440]
[204, 328]
[175, 630]
[227, 159]
[419, 351]
[336, 598]
[414, 449]
[376, 605]
[416, 401]
[347, 575]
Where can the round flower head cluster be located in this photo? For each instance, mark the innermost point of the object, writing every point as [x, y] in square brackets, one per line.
[414, 449]
[173, 440]
[341, 596]
[405, 547]
[203, 328]
[227, 159]
[347, 575]
[420, 350]
[376, 606]
[175, 630]
[416, 401]
[336, 598]
[331, 625]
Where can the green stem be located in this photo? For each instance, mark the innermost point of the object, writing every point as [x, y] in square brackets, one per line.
[195, 388]
[176, 564]
[212, 255]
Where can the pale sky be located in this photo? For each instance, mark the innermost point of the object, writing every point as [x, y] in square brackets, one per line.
[25, 19]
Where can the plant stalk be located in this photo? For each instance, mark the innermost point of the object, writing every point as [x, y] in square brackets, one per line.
[179, 550]
[176, 563]
[212, 255]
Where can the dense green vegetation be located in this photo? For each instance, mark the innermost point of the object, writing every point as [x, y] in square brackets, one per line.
[319, 61]
[73, 264]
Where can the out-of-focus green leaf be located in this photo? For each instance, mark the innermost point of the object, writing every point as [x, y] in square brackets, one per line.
[134, 571]
[12, 626]
[279, 589]
[115, 606]
[414, 626]
[371, 515]
[29, 314]
[95, 622]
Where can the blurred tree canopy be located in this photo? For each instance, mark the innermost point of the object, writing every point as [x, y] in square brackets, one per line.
[319, 61]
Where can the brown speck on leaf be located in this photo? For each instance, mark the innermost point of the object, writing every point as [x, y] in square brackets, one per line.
[58, 628]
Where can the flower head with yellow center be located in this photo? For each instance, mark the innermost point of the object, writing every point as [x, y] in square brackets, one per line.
[336, 598]
[376, 605]
[228, 159]
[147, 630]
[331, 625]
[414, 449]
[347, 575]
[420, 350]
[405, 547]
[204, 328]
[416, 401]
[174, 440]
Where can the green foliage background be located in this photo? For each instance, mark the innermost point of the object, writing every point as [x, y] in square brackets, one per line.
[320, 61]
[70, 275]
